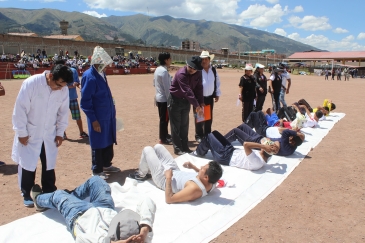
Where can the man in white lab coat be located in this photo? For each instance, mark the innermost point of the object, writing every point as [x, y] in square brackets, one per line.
[40, 118]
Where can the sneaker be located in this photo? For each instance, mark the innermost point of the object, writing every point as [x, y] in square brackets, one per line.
[36, 190]
[102, 175]
[111, 169]
[194, 153]
[2, 163]
[84, 135]
[165, 141]
[137, 177]
[28, 202]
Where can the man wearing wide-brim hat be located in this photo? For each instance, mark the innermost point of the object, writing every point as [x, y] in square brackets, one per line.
[186, 89]
[211, 93]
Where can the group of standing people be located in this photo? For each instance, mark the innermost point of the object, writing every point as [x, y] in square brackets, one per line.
[198, 85]
[253, 87]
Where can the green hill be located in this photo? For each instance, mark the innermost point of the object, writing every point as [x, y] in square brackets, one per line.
[139, 28]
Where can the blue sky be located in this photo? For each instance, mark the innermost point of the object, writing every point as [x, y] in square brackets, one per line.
[333, 25]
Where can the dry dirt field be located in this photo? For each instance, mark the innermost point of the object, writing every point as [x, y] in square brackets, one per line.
[323, 200]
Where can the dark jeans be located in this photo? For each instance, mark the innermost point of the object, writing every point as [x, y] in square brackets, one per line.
[276, 97]
[219, 146]
[179, 121]
[101, 158]
[204, 128]
[258, 121]
[247, 108]
[48, 179]
[164, 120]
[260, 102]
[243, 133]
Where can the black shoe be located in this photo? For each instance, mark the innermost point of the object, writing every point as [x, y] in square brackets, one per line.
[168, 136]
[165, 141]
[178, 152]
[137, 177]
[188, 151]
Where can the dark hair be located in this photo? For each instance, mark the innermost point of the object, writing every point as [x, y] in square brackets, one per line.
[61, 71]
[63, 62]
[298, 141]
[319, 114]
[266, 154]
[214, 172]
[326, 108]
[333, 106]
[163, 56]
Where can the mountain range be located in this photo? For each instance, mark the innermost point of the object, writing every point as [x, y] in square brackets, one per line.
[142, 29]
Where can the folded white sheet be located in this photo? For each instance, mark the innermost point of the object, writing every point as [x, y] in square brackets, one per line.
[198, 221]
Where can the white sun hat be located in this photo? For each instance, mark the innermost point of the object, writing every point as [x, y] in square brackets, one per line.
[259, 65]
[205, 54]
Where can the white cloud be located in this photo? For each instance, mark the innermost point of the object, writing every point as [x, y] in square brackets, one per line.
[95, 14]
[272, 1]
[322, 42]
[280, 31]
[298, 9]
[263, 16]
[361, 36]
[310, 23]
[340, 30]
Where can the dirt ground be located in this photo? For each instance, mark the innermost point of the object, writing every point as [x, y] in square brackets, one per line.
[321, 201]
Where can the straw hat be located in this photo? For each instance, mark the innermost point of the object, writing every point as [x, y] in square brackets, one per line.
[205, 54]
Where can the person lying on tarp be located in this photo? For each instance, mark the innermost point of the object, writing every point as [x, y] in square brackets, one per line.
[223, 151]
[97, 221]
[311, 118]
[179, 186]
[287, 143]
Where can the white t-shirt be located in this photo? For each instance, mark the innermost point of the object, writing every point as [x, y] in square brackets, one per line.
[273, 132]
[252, 162]
[285, 76]
[310, 122]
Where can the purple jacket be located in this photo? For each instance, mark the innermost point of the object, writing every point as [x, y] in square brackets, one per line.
[188, 86]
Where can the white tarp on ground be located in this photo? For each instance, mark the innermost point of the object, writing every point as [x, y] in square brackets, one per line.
[198, 221]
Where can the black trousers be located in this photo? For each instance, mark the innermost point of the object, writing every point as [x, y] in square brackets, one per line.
[164, 120]
[276, 97]
[179, 121]
[260, 102]
[48, 178]
[102, 158]
[258, 121]
[247, 108]
[204, 128]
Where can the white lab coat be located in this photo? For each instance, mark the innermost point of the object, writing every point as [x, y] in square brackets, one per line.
[41, 114]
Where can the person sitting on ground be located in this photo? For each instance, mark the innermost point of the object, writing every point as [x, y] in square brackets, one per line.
[287, 142]
[311, 119]
[224, 153]
[97, 221]
[179, 186]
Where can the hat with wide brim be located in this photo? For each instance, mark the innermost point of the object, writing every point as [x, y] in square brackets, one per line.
[205, 54]
[249, 67]
[195, 62]
[259, 65]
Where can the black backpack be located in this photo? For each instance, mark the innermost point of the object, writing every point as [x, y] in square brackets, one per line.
[287, 112]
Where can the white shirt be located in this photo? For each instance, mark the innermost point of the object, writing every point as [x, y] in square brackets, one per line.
[285, 76]
[311, 122]
[273, 132]
[93, 225]
[208, 83]
[252, 162]
[42, 114]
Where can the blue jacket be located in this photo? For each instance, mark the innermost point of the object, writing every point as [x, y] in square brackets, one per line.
[98, 105]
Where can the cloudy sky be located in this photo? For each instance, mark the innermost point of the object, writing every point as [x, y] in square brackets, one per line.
[332, 25]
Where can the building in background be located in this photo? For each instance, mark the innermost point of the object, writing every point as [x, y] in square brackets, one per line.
[190, 45]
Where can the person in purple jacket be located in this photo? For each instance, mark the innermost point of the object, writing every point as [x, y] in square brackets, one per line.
[186, 89]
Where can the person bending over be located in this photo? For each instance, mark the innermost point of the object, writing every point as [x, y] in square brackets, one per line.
[224, 153]
[97, 221]
[179, 186]
[287, 143]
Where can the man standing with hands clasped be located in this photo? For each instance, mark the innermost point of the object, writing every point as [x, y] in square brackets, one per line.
[40, 118]
[186, 89]
[98, 104]
[211, 93]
